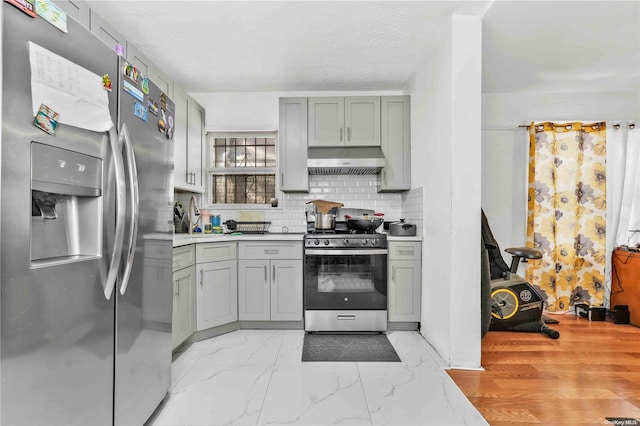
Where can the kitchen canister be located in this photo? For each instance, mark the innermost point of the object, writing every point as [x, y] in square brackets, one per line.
[215, 221]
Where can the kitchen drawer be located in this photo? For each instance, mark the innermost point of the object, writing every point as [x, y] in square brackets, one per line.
[184, 256]
[270, 250]
[405, 250]
[215, 252]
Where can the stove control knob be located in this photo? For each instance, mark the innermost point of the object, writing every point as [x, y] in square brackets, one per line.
[326, 242]
[345, 242]
[365, 241]
[374, 242]
[316, 242]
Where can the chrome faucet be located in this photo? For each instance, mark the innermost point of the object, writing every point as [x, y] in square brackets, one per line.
[193, 212]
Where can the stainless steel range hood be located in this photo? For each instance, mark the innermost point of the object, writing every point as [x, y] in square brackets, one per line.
[345, 161]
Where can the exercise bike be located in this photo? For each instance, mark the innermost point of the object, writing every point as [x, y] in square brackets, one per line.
[510, 303]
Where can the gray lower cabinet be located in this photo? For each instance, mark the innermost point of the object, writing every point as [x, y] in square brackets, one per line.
[396, 144]
[270, 281]
[405, 281]
[184, 285]
[217, 286]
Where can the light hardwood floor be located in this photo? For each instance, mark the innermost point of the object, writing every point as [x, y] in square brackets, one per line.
[590, 373]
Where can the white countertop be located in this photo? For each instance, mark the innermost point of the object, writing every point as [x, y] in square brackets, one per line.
[184, 239]
[400, 238]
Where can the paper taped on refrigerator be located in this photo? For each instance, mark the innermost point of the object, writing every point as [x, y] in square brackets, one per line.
[75, 93]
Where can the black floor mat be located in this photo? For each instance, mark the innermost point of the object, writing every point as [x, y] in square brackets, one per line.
[349, 348]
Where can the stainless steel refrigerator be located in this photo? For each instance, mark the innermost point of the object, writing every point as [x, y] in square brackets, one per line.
[86, 290]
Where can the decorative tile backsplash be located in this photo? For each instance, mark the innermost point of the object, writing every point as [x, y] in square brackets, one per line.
[412, 208]
[355, 191]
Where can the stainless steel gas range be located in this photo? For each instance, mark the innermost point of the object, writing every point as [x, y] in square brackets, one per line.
[345, 279]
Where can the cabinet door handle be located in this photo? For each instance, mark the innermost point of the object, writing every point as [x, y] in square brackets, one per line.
[265, 273]
[393, 273]
[409, 252]
[281, 179]
[340, 134]
[177, 287]
[271, 251]
[274, 272]
[348, 133]
[201, 277]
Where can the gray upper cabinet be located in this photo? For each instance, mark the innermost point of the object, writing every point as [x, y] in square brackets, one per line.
[326, 121]
[106, 33]
[195, 143]
[188, 142]
[351, 121]
[396, 144]
[362, 121]
[78, 10]
[161, 80]
[292, 145]
[181, 174]
[137, 59]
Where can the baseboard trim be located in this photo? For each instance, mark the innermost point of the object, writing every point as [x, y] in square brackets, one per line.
[270, 325]
[403, 326]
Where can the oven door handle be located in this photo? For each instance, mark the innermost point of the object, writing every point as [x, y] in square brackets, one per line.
[332, 252]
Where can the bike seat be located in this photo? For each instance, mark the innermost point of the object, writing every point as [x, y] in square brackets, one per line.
[525, 252]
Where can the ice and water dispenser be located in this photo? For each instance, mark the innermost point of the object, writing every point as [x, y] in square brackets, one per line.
[66, 205]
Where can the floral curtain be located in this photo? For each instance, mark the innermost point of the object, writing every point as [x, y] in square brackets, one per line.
[566, 212]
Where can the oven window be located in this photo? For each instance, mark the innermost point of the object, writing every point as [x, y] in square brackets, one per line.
[340, 276]
[345, 281]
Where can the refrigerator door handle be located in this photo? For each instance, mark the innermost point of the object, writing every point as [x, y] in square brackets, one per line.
[134, 197]
[121, 201]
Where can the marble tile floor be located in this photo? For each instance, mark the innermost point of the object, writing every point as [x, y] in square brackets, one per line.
[256, 377]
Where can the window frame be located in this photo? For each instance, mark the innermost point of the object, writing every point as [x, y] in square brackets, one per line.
[211, 170]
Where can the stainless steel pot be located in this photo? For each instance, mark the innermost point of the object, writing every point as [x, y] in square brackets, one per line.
[325, 221]
[402, 229]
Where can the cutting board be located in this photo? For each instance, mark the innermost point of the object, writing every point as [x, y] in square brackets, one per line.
[323, 206]
[250, 216]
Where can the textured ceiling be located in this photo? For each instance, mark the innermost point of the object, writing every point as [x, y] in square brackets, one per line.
[373, 45]
[284, 45]
[561, 46]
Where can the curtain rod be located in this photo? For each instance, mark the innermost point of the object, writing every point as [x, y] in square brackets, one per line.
[615, 126]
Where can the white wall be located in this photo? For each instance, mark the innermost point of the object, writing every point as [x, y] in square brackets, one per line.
[508, 110]
[505, 147]
[504, 184]
[445, 129]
